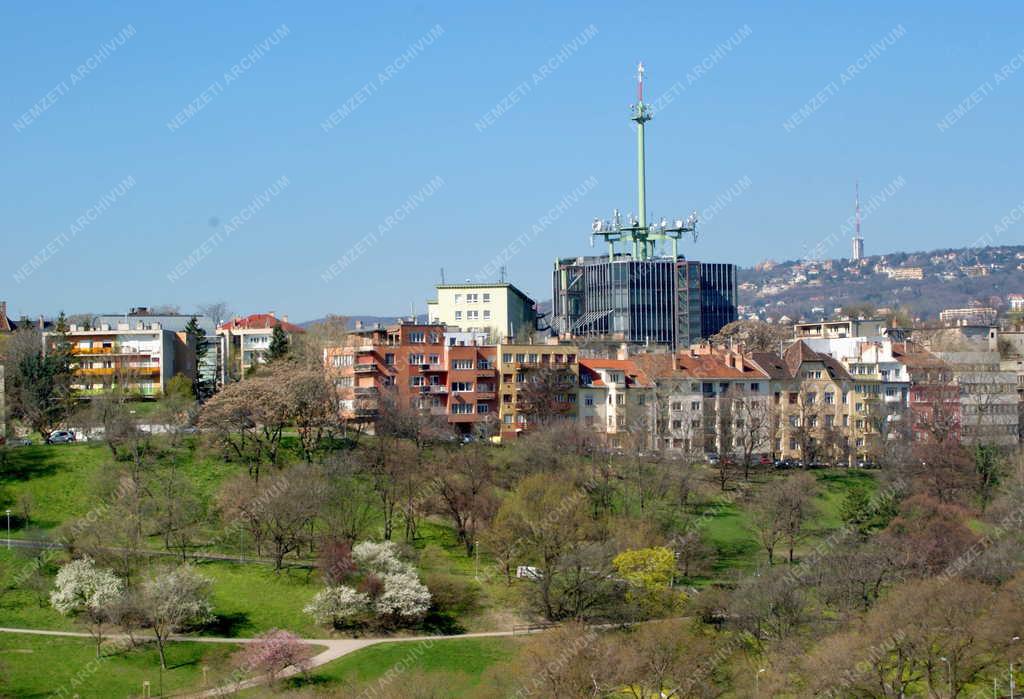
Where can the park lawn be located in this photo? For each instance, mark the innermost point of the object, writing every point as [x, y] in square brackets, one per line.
[727, 529]
[835, 485]
[456, 663]
[250, 598]
[39, 666]
[57, 476]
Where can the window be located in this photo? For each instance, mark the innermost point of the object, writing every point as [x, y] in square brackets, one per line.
[482, 408]
[846, 397]
[755, 387]
[812, 421]
[641, 399]
[458, 298]
[458, 315]
[462, 364]
[794, 420]
[506, 357]
[508, 419]
[830, 398]
[434, 359]
[472, 315]
[389, 359]
[462, 386]
[417, 337]
[462, 409]
[520, 356]
[487, 298]
[677, 424]
[830, 420]
[812, 398]
[471, 298]
[676, 405]
[620, 399]
[589, 400]
[846, 420]
[416, 359]
[487, 315]
[694, 405]
[532, 358]
[344, 381]
[417, 381]
[342, 360]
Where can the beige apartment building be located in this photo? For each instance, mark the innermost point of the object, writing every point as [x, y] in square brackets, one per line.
[501, 310]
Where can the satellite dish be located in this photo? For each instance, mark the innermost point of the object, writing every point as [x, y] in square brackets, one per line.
[596, 227]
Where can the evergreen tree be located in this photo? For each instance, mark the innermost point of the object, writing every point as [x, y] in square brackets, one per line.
[200, 387]
[279, 345]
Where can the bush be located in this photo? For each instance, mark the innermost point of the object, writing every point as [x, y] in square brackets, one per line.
[453, 594]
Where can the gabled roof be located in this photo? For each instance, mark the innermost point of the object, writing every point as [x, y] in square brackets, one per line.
[772, 364]
[635, 376]
[798, 353]
[259, 321]
[916, 357]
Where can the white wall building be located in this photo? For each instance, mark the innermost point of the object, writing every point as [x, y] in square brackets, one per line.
[501, 310]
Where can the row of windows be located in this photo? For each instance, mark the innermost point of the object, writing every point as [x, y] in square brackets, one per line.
[534, 357]
[472, 298]
[472, 315]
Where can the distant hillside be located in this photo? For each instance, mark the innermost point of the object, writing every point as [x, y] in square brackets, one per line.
[367, 320]
[950, 278]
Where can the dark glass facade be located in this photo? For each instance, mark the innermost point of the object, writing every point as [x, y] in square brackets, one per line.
[661, 301]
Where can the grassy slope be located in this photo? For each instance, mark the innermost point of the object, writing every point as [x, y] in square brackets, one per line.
[458, 662]
[37, 666]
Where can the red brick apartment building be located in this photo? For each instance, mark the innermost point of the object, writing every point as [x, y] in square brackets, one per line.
[425, 366]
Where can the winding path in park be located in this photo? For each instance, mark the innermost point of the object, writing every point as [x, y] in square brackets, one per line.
[333, 648]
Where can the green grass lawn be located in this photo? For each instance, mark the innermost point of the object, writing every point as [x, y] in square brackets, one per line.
[250, 599]
[38, 666]
[459, 663]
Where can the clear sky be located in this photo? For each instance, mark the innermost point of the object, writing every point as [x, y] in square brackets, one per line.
[96, 127]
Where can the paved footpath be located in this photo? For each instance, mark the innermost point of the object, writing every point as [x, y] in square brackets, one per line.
[334, 648]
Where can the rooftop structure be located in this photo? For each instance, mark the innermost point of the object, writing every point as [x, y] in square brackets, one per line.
[636, 294]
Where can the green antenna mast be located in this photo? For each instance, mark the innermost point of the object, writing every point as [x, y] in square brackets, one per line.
[642, 236]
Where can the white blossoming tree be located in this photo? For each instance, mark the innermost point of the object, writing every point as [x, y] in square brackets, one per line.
[336, 605]
[174, 600]
[83, 589]
[404, 597]
[394, 592]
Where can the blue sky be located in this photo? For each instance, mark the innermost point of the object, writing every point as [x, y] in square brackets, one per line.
[108, 123]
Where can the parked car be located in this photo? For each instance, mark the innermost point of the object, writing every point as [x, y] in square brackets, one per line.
[764, 460]
[61, 437]
[712, 459]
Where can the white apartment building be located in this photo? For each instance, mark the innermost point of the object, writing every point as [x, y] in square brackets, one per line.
[500, 310]
[138, 356]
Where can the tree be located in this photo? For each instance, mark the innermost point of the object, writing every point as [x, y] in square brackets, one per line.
[201, 387]
[795, 503]
[174, 600]
[290, 510]
[547, 516]
[755, 421]
[404, 597]
[279, 343]
[81, 588]
[271, 653]
[544, 394]
[337, 605]
[247, 420]
[464, 487]
[650, 573]
[39, 386]
[217, 312]
[753, 335]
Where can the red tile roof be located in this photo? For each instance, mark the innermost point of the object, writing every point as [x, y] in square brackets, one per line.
[635, 376]
[260, 321]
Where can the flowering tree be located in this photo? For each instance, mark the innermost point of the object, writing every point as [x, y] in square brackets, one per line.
[404, 597]
[335, 605]
[273, 652]
[174, 600]
[81, 588]
[388, 586]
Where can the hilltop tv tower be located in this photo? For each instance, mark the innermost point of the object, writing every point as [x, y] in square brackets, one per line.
[858, 242]
[635, 295]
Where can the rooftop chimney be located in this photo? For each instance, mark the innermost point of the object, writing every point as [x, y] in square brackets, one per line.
[271, 314]
[284, 318]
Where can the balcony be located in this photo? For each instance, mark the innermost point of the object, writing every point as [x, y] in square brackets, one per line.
[485, 395]
[433, 367]
[366, 390]
[364, 412]
[364, 349]
[365, 368]
[128, 371]
[436, 388]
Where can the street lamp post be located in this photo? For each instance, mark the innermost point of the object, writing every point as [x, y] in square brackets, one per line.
[949, 674]
[8, 528]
